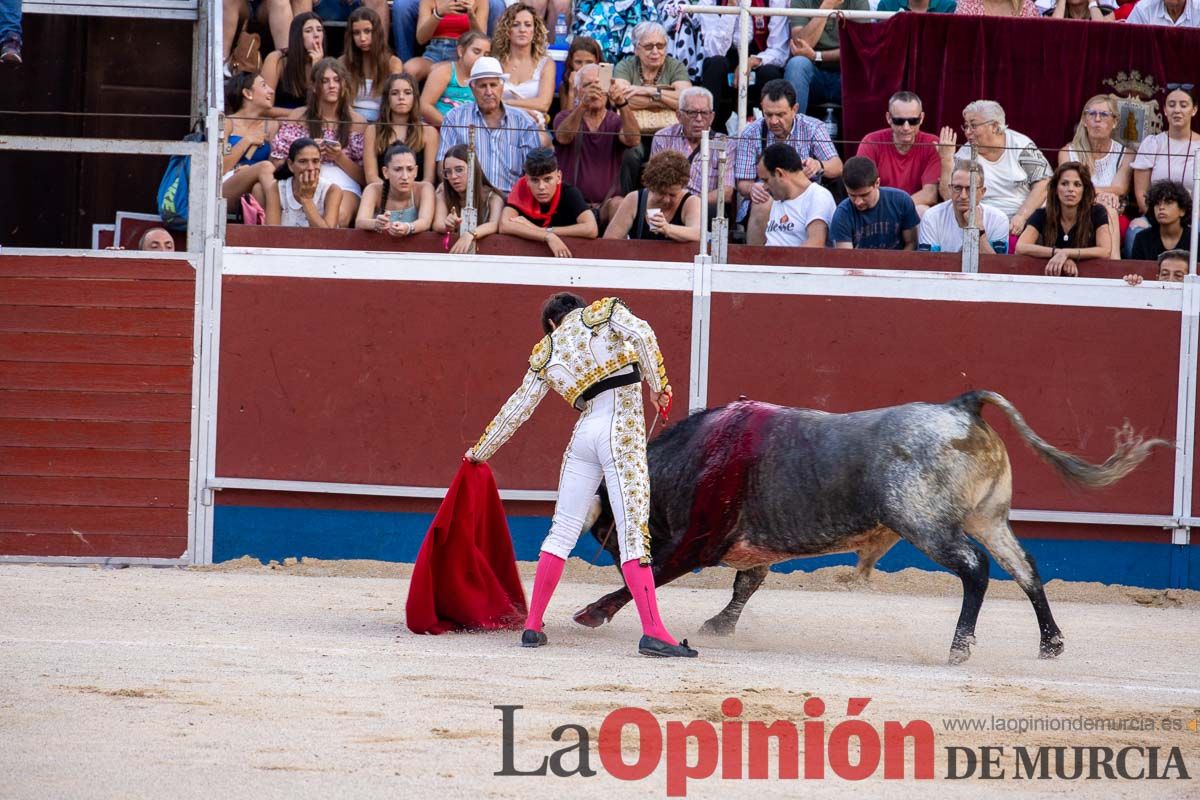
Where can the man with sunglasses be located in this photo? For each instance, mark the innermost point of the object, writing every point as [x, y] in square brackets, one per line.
[906, 157]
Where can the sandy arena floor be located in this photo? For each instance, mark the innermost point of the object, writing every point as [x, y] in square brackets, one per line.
[243, 681]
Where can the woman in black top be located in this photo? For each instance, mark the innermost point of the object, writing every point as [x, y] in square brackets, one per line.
[665, 209]
[288, 71]
[1072, 226]
[1169, 209]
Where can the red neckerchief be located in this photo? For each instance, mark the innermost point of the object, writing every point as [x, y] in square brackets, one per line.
[521, 198]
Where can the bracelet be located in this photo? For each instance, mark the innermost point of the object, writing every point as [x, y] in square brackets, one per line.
[436, 15]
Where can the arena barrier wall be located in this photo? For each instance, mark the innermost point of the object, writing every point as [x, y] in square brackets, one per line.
[339, 388]
[96, 410]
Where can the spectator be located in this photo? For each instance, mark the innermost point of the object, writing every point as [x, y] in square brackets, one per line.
[548, 10]
[1015, 169]
[612, 23]
[10, 32]
[695, 116]
[1080, 9]
[1072, 226]
[405, 17]
[873, 218]
[291, 78]
[340, 10]
[906, 156]
[1167, 156]
[504, 135]
[246, 162]
[399, 204]
[664, 210]
[583, 51]
[997, 8]
[448, 85]
[160, 240]
[1094, 146]
[338, 129]
[814, 68]
[304, 197]
[440, 24]
[400, 124]
[1169, 13]
[919, 6]
[650, 79]
[1173, 267]
[768, 55]
[942, 226]
[452, 199]
[520, 46]
[800, 210]
[275, 14]
[542, 208]
[368, 60]
[1170, 228]
[590, 139]
[781, 122]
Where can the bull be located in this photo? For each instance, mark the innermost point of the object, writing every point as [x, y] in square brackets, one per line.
[751, 484]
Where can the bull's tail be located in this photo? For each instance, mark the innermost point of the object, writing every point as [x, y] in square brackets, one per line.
[1129, 452]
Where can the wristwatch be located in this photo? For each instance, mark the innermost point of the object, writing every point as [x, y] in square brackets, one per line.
[549, 232]
[658, 94]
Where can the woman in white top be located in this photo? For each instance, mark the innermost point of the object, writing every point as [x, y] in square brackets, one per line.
[1171, 155]
[303, 199]
[519, 41]
[368, 60]
[1095, 148]
[1015, 170]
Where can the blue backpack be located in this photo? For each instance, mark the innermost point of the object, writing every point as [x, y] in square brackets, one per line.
[173, 189]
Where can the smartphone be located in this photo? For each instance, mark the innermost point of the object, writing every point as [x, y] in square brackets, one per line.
[606, 72]
[330, 142]
[395, 216]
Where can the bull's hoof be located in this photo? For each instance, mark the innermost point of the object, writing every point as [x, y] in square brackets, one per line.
[960, 650]
[1052, 647]
[591, 617]
[718, 627]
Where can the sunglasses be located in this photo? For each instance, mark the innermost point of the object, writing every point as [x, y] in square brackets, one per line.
[900, 122]
[1187, 87]
[653, 45]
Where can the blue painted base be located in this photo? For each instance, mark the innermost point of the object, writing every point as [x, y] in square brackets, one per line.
[279, 533]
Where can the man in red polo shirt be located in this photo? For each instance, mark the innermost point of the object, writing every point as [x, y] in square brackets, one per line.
[906, 157]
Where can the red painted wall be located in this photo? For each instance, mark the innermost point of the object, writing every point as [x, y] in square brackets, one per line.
[1074, 373]
[389, 382]
[95, 403]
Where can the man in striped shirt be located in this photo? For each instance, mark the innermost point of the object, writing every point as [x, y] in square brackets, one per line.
[781, 122]
[695, 116]
[503, 136]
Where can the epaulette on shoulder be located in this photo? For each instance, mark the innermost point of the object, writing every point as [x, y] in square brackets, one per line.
[600, 311]
[540, 356]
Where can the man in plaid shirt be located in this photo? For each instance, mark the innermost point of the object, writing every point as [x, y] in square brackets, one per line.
[781, 122]
[695, 116]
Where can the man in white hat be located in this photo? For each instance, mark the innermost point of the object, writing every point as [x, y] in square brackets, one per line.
[503, 136]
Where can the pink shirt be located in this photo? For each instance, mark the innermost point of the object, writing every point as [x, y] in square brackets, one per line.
[975, 8]
[910, 171]
[291, 131]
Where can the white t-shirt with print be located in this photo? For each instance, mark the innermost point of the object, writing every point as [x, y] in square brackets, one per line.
[939, 228]
[788, 226]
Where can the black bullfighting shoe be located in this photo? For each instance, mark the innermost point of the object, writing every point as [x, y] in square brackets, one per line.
[649, 646]
[532, 638]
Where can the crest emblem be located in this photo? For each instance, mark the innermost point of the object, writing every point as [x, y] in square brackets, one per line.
[1138, 114]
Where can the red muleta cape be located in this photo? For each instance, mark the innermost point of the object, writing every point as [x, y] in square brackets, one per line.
[466, 574]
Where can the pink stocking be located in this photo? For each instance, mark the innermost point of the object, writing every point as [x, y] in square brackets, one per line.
[549, 570]
[640, 581]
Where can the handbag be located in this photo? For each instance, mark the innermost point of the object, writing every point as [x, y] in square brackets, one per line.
[252, 211]
[247, 53]
[653, 120]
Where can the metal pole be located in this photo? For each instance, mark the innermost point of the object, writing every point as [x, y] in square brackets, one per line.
[469, 215]
[743, 68]
[704, 156]
[970, 249]
[720, 225]
[1195, 219]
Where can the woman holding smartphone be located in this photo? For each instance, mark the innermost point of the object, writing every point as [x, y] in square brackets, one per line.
[440, 23]
[399, 204]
